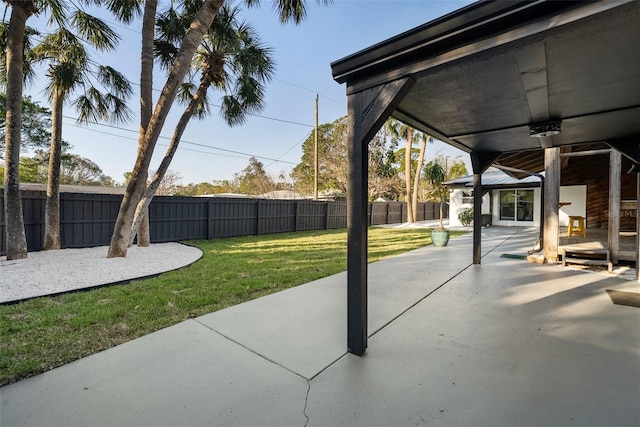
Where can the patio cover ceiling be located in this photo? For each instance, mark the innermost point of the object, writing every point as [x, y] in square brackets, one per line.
[483, 74]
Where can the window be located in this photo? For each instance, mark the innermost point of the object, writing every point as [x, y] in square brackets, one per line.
[516, 205]
[467, 197]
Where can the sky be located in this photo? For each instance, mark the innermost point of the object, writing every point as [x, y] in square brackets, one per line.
[210, 149]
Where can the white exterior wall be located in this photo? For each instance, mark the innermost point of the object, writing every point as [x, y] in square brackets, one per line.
[574, 194]
[495, 219]
[577, 196]
[456, 206]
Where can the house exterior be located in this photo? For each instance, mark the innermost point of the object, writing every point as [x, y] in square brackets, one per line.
[504, 81]
[510, 201]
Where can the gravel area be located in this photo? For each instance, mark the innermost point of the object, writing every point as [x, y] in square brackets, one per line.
[52, 272]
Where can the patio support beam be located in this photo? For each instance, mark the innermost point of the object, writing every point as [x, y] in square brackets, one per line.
[367, 112]
[551, 203]
[615, 167]
[477, 218]
[637, 223]
[480, 162]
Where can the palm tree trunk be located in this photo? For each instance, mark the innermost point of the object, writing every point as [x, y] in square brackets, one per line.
[146, 98]
[407, 173]
[16, 240]
[52, 206]
[147, 141]
[416, 178]
[145, 201]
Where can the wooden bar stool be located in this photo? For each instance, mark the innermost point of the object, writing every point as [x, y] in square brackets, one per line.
[579, 228]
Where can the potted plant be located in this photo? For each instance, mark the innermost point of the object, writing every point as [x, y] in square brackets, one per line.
[435, 174]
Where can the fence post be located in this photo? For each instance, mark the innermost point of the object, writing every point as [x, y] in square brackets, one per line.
[209, 209]
[258, 217]
[296, 214]
[326, 215]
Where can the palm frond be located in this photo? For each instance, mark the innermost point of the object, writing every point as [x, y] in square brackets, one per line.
[120, 112]
[164, 52]
[94, 31]
[186, 92]
[232, 111]
[86, 110]
[57, 10]
[124, 10]
[64, 77]
[115, 81]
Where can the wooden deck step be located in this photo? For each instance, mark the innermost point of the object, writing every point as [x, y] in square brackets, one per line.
[586, 256]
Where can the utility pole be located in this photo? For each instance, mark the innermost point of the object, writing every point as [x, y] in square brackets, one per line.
[315, 177]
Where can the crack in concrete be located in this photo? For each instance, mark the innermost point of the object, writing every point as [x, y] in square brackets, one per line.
[306, 398]
[306, 401]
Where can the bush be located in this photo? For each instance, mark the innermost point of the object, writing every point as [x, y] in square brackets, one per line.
[466, 217]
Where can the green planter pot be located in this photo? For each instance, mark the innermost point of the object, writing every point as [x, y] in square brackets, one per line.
[440, 238]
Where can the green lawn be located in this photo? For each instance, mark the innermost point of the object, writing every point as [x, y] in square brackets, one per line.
[44, 333]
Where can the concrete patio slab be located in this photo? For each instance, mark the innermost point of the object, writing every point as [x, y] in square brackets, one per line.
[311, 319]
[503, 343]
[185, 375]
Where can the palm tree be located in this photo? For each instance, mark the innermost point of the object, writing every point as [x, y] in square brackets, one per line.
[16, 239]
[436, 175]
[230, 58]
[400, 130]
[70, 68]
[21, 10]
[290, 10]
[416, 178]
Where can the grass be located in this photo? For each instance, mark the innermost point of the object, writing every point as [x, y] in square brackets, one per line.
[43, 333]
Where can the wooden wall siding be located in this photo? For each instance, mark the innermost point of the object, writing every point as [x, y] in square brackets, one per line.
[593, 171]
[88, 219]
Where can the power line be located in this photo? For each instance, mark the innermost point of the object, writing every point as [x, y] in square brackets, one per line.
[311, 90]
[182, 141]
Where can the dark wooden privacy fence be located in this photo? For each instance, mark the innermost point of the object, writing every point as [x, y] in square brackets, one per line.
[87, 220]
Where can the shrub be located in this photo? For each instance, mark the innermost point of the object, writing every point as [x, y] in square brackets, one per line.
[466, 217]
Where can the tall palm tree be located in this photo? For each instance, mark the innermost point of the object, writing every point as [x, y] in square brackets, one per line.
[416, 178]
[406, 132]
[231, 59]
[70, 69]
[289, 10]
[436, 175]
[21, 10]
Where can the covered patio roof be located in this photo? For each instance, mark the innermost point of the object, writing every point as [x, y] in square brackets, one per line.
[481, 75]
[484, 79]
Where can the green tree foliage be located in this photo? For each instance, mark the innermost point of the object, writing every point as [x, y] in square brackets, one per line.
[206, 188]
[384, 168]
[435, 174]
[332, 163]
[456, 169]
[36, 125]
[74, 170]
[253, 179]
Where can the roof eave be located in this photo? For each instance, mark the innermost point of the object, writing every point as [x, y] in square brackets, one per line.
[459, 28]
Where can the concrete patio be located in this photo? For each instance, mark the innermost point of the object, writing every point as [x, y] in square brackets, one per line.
[451, 344]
